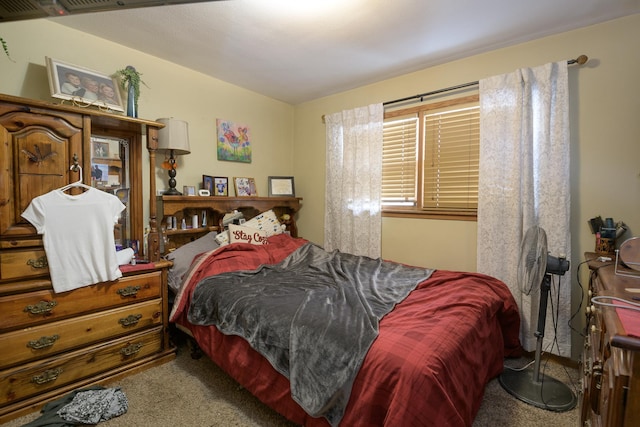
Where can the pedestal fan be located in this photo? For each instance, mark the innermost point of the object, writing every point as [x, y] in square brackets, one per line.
[535, 268]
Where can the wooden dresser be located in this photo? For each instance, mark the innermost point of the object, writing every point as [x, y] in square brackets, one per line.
[611, 358]
[53, 343]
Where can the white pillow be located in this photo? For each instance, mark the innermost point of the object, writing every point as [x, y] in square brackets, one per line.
[223, 238]
[266, 221]
[242, 234]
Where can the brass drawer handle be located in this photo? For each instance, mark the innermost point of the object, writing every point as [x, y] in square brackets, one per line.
[131, 349]
[43, 307]
[42, 342]
[129, 291]
[47, 376]
[130, 320]
[39, 263]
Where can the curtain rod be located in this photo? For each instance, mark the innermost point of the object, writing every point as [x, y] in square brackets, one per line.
[580, 60]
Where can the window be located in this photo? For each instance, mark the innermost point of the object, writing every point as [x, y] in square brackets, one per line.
[431, 159]
[399, 161]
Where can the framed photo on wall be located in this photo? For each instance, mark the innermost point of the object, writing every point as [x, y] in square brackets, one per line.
[220, 186]
[245, 186]
[281, 186]
[82, 85]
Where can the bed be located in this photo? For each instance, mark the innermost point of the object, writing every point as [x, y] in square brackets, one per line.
[435, 345]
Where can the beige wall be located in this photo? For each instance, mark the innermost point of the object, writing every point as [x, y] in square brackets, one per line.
[173, 91]
[605, 106]
[605, 143]
[288, 140]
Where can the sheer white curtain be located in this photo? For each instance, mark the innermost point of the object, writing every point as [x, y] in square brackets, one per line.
[352, 220]
[524, 181]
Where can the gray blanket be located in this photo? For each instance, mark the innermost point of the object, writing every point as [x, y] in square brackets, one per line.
[313, 316]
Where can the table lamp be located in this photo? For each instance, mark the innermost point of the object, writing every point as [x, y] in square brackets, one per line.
[174, 138]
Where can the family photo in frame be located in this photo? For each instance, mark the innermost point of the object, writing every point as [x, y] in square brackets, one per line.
[82, 85]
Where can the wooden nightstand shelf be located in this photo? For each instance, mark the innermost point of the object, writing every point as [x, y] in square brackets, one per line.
[214, 208]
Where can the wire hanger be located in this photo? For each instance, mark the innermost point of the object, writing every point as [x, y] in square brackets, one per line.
[78, 183]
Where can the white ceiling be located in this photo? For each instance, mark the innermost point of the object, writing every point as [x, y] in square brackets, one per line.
[299, 50]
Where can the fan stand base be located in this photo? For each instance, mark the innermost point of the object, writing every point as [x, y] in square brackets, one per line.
[548, 393]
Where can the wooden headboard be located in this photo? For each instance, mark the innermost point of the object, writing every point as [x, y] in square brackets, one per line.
[214, 208]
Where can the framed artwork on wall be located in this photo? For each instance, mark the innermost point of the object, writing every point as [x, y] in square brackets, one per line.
[245, 186]
[281, 186]
[233, 142]
[82, 85]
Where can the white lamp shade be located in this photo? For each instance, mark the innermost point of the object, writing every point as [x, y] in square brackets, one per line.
[174, 136]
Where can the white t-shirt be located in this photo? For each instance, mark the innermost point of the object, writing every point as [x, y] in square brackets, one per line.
[77, 235]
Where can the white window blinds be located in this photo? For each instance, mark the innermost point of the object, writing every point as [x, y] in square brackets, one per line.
[452, 144]
[399, 161]
[430, 158]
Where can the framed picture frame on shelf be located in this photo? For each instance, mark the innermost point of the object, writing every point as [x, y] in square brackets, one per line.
[188, 190]
[83, 86]
[220, 186]
[281, 186]
[245, 187]
[207, 183]
[99, 173]
[100, 150]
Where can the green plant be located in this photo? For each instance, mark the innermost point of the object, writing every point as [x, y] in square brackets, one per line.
[130, 77]
[5, 48]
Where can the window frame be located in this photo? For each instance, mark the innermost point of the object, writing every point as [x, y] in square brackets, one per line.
[418, 211]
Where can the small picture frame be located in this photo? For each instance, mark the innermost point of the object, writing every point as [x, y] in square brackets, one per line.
[281, 186]
[245, 187]
[83, 86]
[220, 186]
[207, 183]
[100, 150]
[189, 190]
[99, 173]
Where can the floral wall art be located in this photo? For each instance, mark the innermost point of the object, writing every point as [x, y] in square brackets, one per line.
[234, 142]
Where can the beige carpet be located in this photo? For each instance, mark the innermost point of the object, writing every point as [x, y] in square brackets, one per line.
[188, 392]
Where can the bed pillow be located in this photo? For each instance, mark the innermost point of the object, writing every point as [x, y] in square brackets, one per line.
[243, 234]
[267, 221]
[223, 238]
[184, 255]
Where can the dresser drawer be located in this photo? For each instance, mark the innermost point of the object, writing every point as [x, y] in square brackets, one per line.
[39, 377]
[34, 308]
[23, 263]
[29, 344]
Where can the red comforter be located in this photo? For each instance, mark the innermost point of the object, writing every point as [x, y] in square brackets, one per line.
[428, 367]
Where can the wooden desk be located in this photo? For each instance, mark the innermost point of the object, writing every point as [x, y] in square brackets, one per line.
[611, 358]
